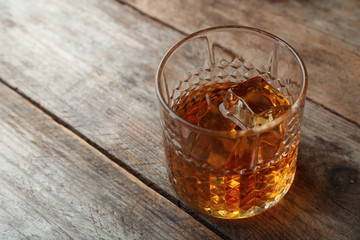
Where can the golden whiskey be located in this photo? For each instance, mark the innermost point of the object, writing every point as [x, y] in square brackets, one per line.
[232, 177]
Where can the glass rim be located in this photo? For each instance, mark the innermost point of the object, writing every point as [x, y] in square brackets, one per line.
[222, 133]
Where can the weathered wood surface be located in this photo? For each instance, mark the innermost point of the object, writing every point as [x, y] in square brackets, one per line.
[92, 64]
[53, 185]
[335, 18]
[332, 64]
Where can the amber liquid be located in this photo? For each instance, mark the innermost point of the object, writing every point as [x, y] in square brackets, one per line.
[232, 177]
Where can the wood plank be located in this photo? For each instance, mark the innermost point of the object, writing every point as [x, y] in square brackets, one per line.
[340, 19]
[333, 65]
[97, 75]
[53, 185]
[94, 69]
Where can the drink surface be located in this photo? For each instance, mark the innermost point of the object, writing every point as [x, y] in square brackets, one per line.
[232, 106]
[232, 178]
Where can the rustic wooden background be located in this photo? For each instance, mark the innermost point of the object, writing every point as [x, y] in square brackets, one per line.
[80, 146]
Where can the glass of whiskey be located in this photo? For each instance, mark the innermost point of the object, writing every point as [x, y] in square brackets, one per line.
[231, 103]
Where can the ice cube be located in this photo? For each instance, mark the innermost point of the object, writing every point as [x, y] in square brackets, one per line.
[237, 110]
[253, 103]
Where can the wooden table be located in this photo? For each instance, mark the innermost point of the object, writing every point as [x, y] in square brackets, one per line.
[81, 155]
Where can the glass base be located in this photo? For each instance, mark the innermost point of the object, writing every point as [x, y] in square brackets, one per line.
[239, 212]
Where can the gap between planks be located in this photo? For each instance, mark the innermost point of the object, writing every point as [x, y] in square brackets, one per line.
[185, 34]
[117, 161]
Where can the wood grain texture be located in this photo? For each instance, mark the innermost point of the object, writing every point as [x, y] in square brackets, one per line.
[94, 69]
[333, 65]
[340, 19]
[54, 186]
[92, 64]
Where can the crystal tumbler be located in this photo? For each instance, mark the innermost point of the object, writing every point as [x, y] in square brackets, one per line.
[231, 102]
